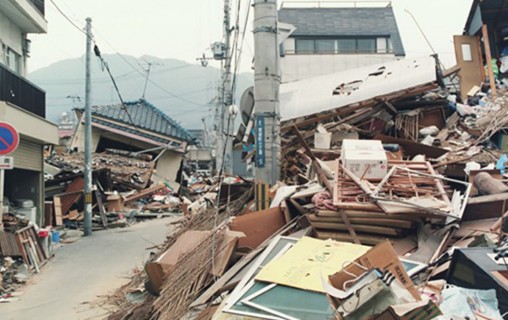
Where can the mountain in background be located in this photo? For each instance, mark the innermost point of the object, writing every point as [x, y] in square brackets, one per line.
[186, 92]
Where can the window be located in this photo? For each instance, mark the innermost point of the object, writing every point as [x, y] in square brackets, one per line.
[366, 45]
[325, 46]
[347, 45]
[13, 61]
[343, 45]
[304, 46]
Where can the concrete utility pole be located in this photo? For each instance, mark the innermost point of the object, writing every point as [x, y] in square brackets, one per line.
[266, 92]
[225, 99]
[88, 132]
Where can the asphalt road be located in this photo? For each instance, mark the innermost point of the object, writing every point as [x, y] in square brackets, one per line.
[83, 271]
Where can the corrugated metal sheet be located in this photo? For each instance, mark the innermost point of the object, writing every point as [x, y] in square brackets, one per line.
[28, 156]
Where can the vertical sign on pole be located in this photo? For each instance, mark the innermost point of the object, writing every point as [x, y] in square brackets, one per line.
[260, 141]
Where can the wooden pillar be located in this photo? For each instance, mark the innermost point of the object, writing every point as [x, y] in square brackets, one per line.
[488, 56]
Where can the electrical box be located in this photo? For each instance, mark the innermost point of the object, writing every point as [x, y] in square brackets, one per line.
[364, 158]
[219, 50]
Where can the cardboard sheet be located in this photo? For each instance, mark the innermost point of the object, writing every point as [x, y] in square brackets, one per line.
[258, 226]
[382, 257]
[302, 266]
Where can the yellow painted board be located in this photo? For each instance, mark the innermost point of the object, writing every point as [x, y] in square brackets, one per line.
[308, 260]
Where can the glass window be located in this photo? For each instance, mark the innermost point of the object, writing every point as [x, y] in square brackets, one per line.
[366, 45]
[13, 60]
[347, 45]
[325, 45]
[304, 46]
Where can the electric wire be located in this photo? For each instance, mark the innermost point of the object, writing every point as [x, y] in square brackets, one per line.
[237, 64]
[217, 200]
[121, 56]
[69, 20]
[105, 64]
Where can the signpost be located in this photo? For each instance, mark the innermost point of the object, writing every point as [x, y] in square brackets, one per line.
[9, 141]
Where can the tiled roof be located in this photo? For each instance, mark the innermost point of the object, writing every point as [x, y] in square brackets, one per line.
[146, 116]
[345, 22]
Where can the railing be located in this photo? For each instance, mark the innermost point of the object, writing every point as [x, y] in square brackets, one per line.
[39, 4]
[21, 92]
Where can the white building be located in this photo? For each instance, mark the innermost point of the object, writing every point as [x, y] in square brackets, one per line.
[22, 104]
[334, 39]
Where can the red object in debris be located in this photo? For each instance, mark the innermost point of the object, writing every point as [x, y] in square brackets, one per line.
[43, 233]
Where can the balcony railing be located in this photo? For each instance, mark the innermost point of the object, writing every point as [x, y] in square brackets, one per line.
[39, 4]
[21, 92]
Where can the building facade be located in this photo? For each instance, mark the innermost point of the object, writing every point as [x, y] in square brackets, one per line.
[23, 104]
[334, 39]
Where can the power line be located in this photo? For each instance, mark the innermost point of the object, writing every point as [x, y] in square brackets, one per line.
[98, 54]
[123, 58]
[238, 58]
[68, 19]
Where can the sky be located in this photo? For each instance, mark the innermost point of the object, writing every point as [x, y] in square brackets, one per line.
[186, 29]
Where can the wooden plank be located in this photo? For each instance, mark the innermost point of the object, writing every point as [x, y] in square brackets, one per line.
[488, 57]
[350, 228]
[144, 193]
[360, 228]
[102, 211]
[365, 214]
[48, 213]
[324, 180]
[343, 236]
[57, 202]
[403, 224]
[486, 207]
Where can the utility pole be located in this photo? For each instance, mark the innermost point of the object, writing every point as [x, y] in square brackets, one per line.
[88, 132]
[147, 76]
[266, 94]
[224, 124]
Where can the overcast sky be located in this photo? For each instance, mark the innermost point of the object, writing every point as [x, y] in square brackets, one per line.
[185, 29]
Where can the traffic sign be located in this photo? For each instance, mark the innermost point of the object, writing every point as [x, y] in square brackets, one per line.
[9, 138]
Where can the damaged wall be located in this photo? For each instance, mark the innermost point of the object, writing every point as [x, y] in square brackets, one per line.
[304, 66]
[328, 92]
[78, 141]
[167, 168]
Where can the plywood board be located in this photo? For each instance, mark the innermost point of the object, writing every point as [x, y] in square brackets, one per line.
[467, 55]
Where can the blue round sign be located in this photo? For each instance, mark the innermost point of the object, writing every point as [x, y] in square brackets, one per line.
[9, 138]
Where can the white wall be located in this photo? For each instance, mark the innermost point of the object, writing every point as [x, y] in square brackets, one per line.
[78, 141]
[302, 66]
[12, 36]
[167, 168]
[28, 124]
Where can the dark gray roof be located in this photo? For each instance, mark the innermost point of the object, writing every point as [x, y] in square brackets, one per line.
[146, 116]
[345, 22]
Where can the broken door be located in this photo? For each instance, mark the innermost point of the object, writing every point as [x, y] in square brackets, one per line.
[469, 59]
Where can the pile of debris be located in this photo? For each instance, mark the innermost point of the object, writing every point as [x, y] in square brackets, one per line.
[23, 250]
[390, 206]
[123, 190]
